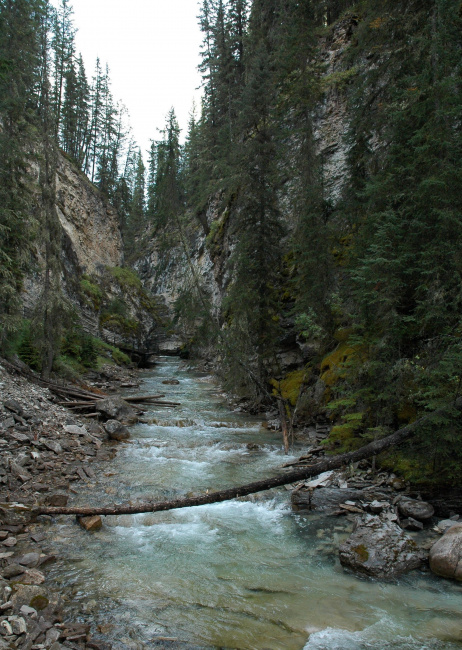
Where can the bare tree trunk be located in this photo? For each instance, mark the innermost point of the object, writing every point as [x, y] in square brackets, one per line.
[375, 447]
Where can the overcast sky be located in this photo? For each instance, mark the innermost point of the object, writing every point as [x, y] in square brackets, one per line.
[152, 49]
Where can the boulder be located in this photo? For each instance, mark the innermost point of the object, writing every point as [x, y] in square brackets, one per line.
[420, 510]
[116, 430]
[90, 523]
[446, 554]
[380, 549]
[115, 408]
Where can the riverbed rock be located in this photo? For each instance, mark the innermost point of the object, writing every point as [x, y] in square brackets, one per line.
[171, 382]
[90, 523]
[380, 549]
[115, 408]
[446, 554]
[116, 430]
[416, 509]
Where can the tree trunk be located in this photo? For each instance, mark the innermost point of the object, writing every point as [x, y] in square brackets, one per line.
[335, 462]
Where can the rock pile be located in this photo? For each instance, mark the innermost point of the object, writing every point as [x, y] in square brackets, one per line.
[382, 509]
[44, 451]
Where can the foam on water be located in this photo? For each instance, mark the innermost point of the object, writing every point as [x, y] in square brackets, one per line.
[385, 634]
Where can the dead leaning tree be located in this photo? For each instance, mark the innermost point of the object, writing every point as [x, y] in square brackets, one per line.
[335, 462]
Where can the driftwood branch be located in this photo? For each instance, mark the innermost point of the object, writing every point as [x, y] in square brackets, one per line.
[335, 462]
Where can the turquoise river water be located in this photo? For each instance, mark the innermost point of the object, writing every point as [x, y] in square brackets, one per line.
[248, 574]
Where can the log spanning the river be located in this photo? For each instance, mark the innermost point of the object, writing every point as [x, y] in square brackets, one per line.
[335, 462]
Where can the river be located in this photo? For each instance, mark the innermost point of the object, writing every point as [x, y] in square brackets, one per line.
[247, 574]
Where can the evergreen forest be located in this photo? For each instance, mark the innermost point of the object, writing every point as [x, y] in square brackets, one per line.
[357, 266]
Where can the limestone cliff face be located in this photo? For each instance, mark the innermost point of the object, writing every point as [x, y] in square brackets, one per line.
[200, 256]
[90, 235]
[90, 225]
[331, 117]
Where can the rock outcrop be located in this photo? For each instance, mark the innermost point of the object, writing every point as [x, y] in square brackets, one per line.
[91, 237]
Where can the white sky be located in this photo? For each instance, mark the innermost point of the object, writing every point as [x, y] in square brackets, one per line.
[152, 49]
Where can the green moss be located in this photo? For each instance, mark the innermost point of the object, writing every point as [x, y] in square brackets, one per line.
[289, 388]
[91, 293]
[217, 230]
[335, 364]
[126, 278]
[110, 352]
[362, 552]
[119, 324]
[39, 602]
[339, 79]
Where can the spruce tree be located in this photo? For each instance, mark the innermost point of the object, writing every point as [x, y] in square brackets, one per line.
[19, 62]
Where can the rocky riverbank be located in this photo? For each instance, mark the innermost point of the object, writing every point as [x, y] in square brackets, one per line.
[45, 452]
[394, 529]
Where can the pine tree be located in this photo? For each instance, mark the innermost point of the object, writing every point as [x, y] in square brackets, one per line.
[63, 49]
[167, 188]
[252, 303]
[19, 64]
[137, 210]
[52, 306]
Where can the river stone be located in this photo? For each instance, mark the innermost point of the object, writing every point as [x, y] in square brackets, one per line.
[116, 430]
[18, 624]
[75, 430]
[115, 408]
[32, 577]
[446, 554]
[420, 510]
[379, 548]
[29, 559]
[30, 595]
[445, 524]
[12, 570]
[90, 523]
[411, 524]
[57, 500]
[52, 445]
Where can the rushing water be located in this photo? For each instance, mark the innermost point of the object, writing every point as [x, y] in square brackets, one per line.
[247, 574]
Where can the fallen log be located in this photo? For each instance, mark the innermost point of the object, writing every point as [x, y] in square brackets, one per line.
[141, 398]
[373, 448]
[53, 386]
[74, 392]
[76, 404]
